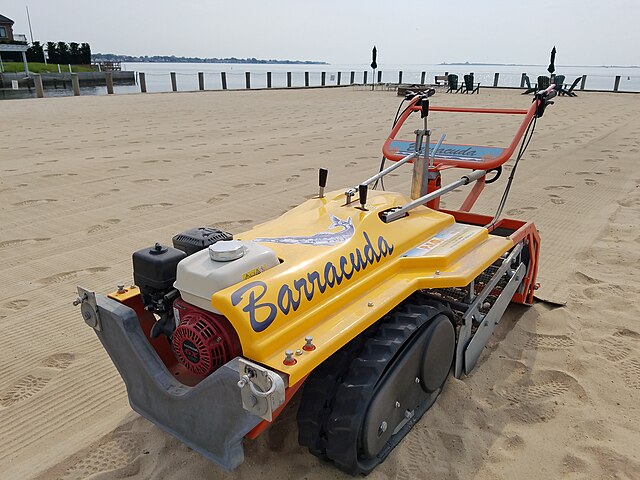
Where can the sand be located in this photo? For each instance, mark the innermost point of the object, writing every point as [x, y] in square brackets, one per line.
[86, 181]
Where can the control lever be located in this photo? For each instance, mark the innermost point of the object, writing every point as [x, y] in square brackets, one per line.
[322, 181]
[362, 192]
[425, 108]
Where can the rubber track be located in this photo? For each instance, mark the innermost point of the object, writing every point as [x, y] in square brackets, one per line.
[354, 394]
[319, 391]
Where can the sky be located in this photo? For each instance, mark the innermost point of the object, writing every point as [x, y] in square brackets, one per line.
[343, 32]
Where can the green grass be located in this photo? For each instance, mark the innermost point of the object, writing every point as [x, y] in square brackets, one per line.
[37, 67]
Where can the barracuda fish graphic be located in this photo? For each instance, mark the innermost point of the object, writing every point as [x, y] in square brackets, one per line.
[325, 238]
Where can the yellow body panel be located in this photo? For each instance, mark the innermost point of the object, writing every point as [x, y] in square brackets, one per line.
[126, 294]
[341, 270]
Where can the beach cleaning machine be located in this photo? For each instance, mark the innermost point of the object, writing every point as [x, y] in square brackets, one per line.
[366, 299]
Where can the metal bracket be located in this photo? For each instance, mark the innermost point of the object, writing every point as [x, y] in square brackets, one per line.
[89, 308]
[473, 314]
[261, 389]
[491, 319]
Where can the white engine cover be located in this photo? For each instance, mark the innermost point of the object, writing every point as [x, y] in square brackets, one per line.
[199, 276]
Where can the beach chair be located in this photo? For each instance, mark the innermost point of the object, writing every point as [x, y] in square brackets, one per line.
[569, 92]
[469, 85]
[558, 80]
[452, 83]
[529, 89]
[543, 82]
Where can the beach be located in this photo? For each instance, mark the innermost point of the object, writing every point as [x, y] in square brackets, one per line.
[86, 181]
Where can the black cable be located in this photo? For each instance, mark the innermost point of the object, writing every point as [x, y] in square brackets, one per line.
[395, 119]
[381, 179]
[383, 159]
[528, 134]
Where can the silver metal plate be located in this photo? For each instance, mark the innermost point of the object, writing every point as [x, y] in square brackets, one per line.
[262, 390]
[89, 308]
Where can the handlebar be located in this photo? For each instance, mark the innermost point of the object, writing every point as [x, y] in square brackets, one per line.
[410, 95]
[543, 99]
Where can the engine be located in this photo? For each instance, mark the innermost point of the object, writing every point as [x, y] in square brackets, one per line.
[176, 284]
[202, 341]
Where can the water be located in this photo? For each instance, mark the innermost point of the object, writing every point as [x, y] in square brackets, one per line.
[158, 78]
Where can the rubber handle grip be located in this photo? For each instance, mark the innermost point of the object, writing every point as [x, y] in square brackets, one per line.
[322, 177]
[425, 108]
[362, 192]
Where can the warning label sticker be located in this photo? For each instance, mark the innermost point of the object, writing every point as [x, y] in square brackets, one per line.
[445, 241]
[256, 271]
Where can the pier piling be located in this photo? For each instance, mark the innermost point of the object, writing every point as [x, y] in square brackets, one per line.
[109, 79]
[37, 80]
[174, 83]
[75, 83]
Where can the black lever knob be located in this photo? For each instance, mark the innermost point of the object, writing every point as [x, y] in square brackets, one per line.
[425, 108]
[362, 192]
[322, 181]
[322, 177]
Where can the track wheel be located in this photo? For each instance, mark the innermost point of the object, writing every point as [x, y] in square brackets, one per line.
[389, 385]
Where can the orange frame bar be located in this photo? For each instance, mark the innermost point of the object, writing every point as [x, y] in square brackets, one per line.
[486, 165]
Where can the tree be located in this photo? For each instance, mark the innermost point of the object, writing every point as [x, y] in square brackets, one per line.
[63, 53]
[85, 54]
[74, 53]
[52, 52]
[35, 53]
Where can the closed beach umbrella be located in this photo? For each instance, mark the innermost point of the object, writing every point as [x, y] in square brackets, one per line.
[374, 65]
[552, 67]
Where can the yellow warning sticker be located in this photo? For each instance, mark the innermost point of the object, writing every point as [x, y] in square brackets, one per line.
[256, 271]
[445, 241]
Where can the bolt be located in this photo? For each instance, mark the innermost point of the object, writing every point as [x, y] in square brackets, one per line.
[408, 414]
[288, 358]
[437, 272]
[298, 352]
[309, 346]
[121, 289]
[243, 381]
[417, 380]
[486, 305]
[370, 304]
[397, 404]
[382, 428]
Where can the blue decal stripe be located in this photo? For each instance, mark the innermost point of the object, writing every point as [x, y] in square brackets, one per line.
[449, 150]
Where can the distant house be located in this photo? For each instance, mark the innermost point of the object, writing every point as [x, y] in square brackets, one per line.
[6, 29]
